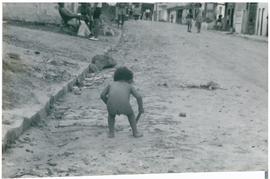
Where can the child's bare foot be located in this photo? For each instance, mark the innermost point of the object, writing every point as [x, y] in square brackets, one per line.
[138, 135]
[111, 135]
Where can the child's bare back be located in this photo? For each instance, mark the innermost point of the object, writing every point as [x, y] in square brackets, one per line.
[117, 95]
[118, 98]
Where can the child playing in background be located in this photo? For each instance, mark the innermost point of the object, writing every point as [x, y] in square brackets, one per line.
[116, 96]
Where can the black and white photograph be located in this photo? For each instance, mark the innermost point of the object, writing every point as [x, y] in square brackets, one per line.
[124, 88]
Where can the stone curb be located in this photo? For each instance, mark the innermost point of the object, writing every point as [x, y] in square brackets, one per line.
[254, 38]
[244, 36]
[15, 132]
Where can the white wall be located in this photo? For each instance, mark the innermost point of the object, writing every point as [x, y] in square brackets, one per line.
[161, 9]
[162, 14]
[239, 23]
[174, 16]
[34, 12]
[261, 20]
[222, 7]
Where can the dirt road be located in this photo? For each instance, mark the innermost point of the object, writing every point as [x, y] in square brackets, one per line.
[186, 127]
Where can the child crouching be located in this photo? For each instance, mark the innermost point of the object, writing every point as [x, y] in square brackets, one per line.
[117, 96]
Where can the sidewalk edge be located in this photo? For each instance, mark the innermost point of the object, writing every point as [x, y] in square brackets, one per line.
[13, 133]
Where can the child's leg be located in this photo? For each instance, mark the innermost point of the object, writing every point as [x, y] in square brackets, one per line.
[111, 122]
[133, 125]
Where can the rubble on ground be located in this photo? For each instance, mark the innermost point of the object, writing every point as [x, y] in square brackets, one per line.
[208, 86]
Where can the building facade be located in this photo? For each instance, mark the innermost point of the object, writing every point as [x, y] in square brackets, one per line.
[160, 12]
[245, 18]
[249, 18]
[178, 13]
[262, 20]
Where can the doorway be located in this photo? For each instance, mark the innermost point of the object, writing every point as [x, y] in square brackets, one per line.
[179, 16]
[252, 12]
[262, 21]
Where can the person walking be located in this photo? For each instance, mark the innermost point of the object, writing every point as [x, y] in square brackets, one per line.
[97, 21]
[121, 13]
[87, 15]
[189, 18]
[199, 19]
[137, 11]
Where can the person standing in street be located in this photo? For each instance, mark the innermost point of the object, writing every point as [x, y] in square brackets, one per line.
[172, 18]
[137, 11]
[147, 14]
[121, 13]
[87, 15]
[199, 19]
[189, 20]
[97, 21]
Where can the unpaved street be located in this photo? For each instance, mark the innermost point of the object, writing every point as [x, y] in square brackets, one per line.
[218, 130]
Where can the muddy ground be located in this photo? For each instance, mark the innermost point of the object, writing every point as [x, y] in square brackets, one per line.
[187, 125]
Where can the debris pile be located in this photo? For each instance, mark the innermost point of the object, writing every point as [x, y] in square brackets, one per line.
[103, 61]
[208, 86]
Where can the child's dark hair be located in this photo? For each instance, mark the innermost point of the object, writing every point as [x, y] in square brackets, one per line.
[123, 74]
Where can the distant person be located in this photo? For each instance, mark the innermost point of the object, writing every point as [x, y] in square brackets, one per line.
[137, 12]
[83, 30]
[199, 19]
[97, 21]
[87, 14]
[147, 14]
[117, 98]
[189, 18]
[172, 17]
[67, 16]
[130, 12]
[121, 13]
[219, 22]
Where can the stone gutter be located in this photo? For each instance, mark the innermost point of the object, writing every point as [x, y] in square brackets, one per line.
[15, 131]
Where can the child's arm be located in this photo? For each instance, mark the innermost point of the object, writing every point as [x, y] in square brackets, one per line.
[104, 94]
[138, 98]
